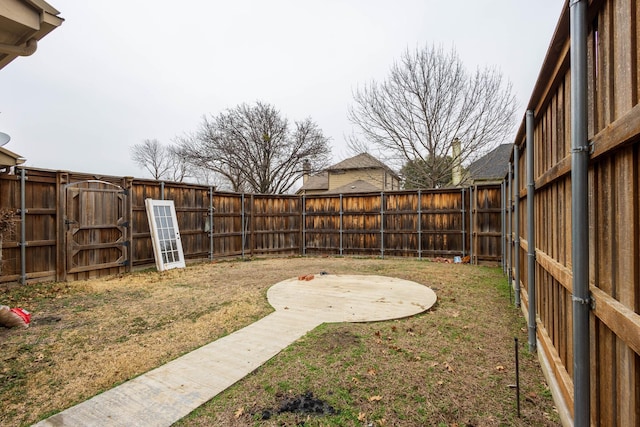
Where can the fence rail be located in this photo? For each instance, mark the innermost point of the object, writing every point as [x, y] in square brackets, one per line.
[76, 226]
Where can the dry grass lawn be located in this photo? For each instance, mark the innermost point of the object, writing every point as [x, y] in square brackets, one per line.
[451, 366]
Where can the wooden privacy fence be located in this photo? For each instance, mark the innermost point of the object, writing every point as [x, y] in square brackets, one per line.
[613, 397]
[75, 226]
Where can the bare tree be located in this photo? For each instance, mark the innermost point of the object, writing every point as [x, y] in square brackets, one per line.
[178, 169]
[161, 161]
[427, 101]
[152, 156]
[255, 149]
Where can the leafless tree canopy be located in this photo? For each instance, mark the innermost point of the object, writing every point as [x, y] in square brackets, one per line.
[179, 169]
[428, 100]
[161, 161]
[152, 156]
[256, 149]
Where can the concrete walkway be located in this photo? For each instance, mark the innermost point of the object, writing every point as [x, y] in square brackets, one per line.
[168, 393]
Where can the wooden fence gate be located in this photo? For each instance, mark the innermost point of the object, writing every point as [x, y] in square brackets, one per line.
[97, 223]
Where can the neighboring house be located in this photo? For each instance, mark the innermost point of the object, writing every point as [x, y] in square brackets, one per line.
[22, 24]
[358, 174]
[491, 168]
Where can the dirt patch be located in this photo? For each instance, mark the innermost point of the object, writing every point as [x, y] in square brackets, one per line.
[337, 340]
[44, 320]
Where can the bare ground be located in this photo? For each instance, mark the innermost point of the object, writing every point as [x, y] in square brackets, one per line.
[450, 366]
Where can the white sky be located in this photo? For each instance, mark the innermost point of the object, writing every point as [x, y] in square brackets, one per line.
[120, 71]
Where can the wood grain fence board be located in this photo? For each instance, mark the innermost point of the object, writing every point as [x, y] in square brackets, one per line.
[563, 377]
[487, 212]
[361, 224]
[624, 52]
[614, 210]
[141, 244]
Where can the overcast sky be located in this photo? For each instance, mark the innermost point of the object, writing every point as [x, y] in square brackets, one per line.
[120, 71]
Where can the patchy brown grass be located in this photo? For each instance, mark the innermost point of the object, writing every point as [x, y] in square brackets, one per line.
[450, 366]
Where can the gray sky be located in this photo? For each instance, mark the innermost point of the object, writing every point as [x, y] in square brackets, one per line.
[120, 71]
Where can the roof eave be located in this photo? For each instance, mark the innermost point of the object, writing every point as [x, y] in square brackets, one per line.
[36, 18]
[9, 158]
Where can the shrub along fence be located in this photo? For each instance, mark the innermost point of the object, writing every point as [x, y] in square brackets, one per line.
[75, 226]
[583, 310]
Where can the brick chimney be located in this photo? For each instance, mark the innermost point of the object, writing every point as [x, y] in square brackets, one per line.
[456, 170]
[306, 170]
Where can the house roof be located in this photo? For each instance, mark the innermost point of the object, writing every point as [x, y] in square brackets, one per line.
[493, 165]
[22, 24]
[361, 161]
[319, 181]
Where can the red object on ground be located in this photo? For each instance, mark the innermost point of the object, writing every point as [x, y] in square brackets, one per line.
[24, 314]
[309, 277]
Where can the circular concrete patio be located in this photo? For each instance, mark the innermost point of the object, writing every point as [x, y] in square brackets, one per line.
[351, 298]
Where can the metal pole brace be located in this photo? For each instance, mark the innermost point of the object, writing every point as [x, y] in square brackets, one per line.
[589, 148]
[590, 301]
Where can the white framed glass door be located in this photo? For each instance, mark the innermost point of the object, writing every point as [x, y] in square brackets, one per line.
[165, 236]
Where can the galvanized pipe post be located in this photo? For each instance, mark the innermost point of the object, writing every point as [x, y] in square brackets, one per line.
[502, 226]
[341, 226]
[580, 153]
[420, 224]
[23, 227]
[531, 241]
[464, 226]
[471, 212]
[509, 228]
[210, 223]
[242, 219]
[516, 215]
[304, 225]
[382, 224]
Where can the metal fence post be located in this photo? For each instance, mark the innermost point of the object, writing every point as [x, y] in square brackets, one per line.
[502, 226]
[304, 225]
[471, 254]
[242, 219]
[210, 223]
[509, 229]
[464, 225]
[252, 224]
[420, 224]
[23, 227]
[580, 153]
[341, 225]
[531, 240]
[516, 214]
[382, 224]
